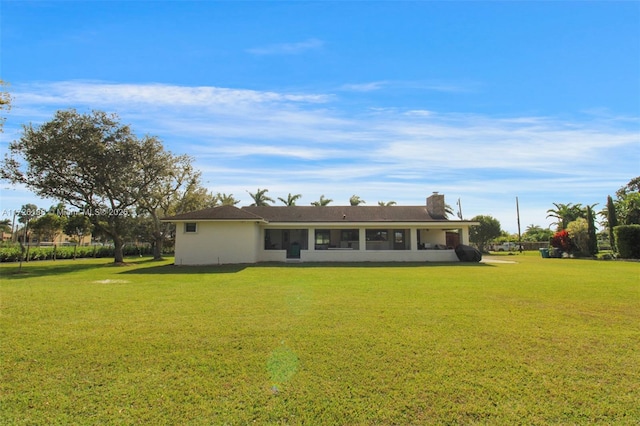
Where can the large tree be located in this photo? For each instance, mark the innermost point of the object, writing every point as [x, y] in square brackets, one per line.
[89, 161]
[487, 230]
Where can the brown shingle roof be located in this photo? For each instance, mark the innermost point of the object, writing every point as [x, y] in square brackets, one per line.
[294, 214]
[342, 213]
[215, 213]
[302, 214]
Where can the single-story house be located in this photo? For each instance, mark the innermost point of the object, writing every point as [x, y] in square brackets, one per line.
[228, 234]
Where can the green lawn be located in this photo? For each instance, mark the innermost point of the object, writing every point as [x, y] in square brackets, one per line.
[540, 341]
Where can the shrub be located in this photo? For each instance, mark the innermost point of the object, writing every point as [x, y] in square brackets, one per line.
[11, 253]
[561, 241]
[628, 241]
[579, 235]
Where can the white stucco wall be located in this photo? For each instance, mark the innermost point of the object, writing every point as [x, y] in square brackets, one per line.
[224, 242]
[432, 237]
[217, 243]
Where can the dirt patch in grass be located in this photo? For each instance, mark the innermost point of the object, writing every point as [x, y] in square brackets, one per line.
[494, 260]
[109, 281]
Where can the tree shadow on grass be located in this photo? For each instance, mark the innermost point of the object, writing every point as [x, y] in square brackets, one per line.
[185, 270]
[43, 268]
[234, 268]
[148, 266]
[35, 269]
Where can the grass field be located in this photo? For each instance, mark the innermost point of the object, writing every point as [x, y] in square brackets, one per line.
[539, 341]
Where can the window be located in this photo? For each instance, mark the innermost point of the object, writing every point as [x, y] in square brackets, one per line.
[323, 236]
[401, 239]
[377, 235]
[190, 227]
[284, 239]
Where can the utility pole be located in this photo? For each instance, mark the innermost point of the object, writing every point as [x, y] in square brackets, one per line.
[519, 235]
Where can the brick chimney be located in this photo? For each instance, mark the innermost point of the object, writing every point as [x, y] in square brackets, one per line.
[435, 206]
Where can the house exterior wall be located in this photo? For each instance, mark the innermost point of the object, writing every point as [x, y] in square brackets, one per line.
[228, 242]
[217, 243]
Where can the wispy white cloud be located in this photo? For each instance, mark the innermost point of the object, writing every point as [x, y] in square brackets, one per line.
[434, 86]
[365, 87]
[288, 48]
[312, 144]
[155, 94]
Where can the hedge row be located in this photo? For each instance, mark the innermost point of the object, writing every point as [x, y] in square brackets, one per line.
[628, 241]
[12, 253]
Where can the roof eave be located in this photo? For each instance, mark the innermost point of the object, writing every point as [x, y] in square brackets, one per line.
[180, 220]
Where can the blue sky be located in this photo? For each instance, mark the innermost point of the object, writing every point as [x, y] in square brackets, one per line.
[482, 101]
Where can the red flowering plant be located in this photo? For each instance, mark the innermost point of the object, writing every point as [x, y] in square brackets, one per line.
[562, 241]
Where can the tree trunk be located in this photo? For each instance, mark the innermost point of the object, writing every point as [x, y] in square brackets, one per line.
[117, 252]
[157, 246]
[158, 236]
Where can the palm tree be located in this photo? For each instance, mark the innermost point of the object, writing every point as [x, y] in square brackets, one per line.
[355, 200]
[536, 233]
[291, 199]
[322, 202]
[260, 199]
[388, 203]
[225, 200]
[566, 213]
[448, 211]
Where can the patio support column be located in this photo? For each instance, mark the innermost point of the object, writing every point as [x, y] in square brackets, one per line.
[464, 236]
[311, 239]
[413, 239]
[362, 238]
